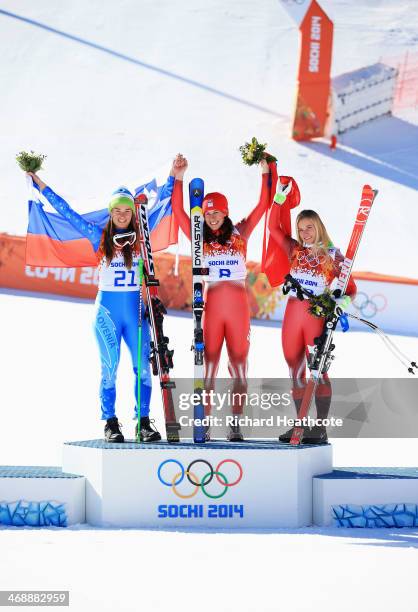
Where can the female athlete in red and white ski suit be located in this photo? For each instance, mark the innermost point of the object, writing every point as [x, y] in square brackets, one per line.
[227, 313]
[315, 263]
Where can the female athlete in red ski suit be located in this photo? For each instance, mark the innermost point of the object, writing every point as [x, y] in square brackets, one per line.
[227, 313]
[315, 263]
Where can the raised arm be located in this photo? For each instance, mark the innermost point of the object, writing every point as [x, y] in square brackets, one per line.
[178, 169]
[247, 225]
[283, 240]
[91, 231]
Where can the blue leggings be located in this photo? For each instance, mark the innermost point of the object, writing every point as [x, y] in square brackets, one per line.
[117, 318]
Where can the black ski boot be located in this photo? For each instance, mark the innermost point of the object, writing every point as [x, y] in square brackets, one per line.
[112, 431]
[285, 437]
[147, 431]
[235, 433]
[316, 435]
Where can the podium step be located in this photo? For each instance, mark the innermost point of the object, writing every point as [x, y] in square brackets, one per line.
[40, 496]
[366, 497]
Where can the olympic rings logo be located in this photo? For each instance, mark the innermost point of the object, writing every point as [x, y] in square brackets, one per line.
[370, 306]
[180, 473]
[313, 260]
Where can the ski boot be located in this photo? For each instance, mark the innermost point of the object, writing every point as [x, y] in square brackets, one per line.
[285, 437]
[148, 432]
[112, 430]
[235, 434]
[316, 435]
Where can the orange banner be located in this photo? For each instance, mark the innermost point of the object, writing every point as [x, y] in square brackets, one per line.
[312, 102]
[378, 294]
[175, 290]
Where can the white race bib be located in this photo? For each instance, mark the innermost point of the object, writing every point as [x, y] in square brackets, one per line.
[116, 276]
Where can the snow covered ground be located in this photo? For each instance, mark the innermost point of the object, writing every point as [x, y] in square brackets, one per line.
[110, 98]
[303, 570]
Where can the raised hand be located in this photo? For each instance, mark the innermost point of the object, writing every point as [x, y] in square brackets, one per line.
[179, 166]
[264, 166]
[282, 192]
[37, 180]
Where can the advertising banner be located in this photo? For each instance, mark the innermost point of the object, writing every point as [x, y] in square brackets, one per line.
[387, 301]
[314, 77]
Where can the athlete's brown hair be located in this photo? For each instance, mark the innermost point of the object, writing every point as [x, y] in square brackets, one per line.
[108, 249]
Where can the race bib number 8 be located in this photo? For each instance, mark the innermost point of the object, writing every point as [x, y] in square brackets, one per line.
[224, 273]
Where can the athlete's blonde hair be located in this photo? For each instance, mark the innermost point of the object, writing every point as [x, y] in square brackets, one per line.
[322, 237]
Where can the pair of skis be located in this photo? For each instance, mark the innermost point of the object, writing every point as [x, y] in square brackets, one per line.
[320, 357]
[161, 357]
[196, 193]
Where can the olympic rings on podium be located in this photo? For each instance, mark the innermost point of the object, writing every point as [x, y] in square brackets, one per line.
[178, 477]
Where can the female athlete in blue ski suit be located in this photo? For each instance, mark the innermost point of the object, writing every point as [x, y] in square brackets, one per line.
[117, 304]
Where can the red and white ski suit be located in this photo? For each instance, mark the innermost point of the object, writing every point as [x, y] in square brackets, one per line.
[227, 312]
[315, 270]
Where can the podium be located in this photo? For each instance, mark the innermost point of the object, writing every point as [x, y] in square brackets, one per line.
[221, 486]
[248, 485]
[38, 496]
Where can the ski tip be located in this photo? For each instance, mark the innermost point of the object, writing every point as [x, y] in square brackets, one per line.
[369, 193]
[140, 199]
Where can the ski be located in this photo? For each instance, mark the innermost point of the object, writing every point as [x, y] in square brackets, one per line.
[139, 358]
[320, 357]
[161, 357]
[196, 193]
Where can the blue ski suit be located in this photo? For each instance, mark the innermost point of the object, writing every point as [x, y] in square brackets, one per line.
[116, 313]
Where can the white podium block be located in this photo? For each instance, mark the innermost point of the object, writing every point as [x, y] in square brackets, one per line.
[215, 485]
[40, 497]
[366, 497]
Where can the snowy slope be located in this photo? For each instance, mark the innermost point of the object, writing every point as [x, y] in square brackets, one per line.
[145, 80]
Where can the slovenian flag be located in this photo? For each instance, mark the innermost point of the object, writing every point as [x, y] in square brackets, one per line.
[164, 228]
[52, 241]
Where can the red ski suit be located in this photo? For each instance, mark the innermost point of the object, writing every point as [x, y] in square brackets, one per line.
[227, 313]
[315, 270]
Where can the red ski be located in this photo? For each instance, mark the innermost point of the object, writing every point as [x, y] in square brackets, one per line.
[320, 358]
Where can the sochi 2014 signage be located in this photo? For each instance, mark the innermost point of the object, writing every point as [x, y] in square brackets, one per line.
[314, 77]
[200, 479]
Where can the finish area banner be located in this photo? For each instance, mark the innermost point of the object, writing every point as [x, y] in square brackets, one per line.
[314, 75]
